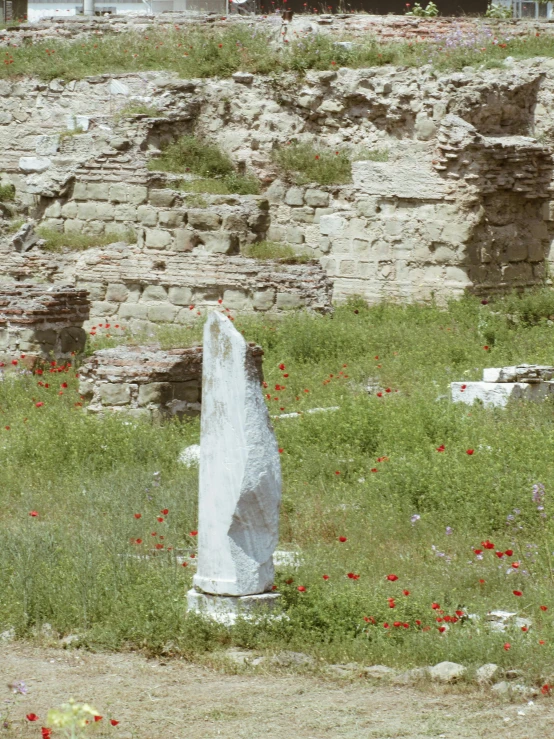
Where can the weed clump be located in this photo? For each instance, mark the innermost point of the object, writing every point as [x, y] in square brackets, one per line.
[266, 250]
[305, 163]
[233, 184]
[58, 242]
[190, 154]
[7, 192]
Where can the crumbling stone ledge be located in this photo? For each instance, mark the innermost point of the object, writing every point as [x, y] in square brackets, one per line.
[41, 321]
[146, 381]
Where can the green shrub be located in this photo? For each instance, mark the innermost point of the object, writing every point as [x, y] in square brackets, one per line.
[372, 155]
[307, 163]
[232, 184]
[264, 250]
[7, 192]
[57, 241]
[189, 154]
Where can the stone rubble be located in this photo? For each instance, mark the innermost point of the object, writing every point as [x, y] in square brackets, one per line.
[501, 384]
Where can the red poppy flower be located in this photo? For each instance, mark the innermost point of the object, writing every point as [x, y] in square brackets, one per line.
[138, 541]
[7, 428]
[487, 544]
[545, 689]
[392, 578]
[301, 589]
[185, 564]
[159, 546]
[337, 472]
[286, 374]
[33, 514]
[459, 613]
[478, 551]
[388, 390]
[435, 606]
[441, 448]
[499, 554]
[342, 539]
[193, 533]
[509, 552]
[325, 577]
[46, 733]
[397, 624]
[32, 717]
[138, 515]
[418, 622]
[507, 646]
[517, 592]
[392, 604]
[541, 641]
[406, 592]
[352, 576]
[98, 718]
[544, 608]
[486, 348]
[442, 629]
[160, 519]
[64, 384]
[39, 405]
[515, 565]
[385, 626]
[281, 366]
[470, 451]
[220, 301]
[289, 581]
[281, 451]
[165, 511]
[113, 722]
[14, 362]
[482, 582]
[524, 628]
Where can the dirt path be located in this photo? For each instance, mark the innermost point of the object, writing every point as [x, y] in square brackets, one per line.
[172, 699]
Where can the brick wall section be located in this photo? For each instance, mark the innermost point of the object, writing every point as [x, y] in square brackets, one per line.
[147, 382]
[41, 321]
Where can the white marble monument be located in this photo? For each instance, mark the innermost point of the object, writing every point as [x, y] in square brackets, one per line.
[240, 481]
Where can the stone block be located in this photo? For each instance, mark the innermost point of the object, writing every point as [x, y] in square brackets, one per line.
[105, 211]
[97, 191]
[171, 218]
[146, 215]
[302, 215]
[80, 191]
[187, 391]
[294, 235]
[288, 301]
[53, 211]
[117, 293]
[317, 198]
[276, 233]
[162, 313]
[161, 198]
[125, 212]
[69, 210]
[154, 294]
[518, 272]
[72, 340]
[133, 311]
[333, 225]
[86, 210]
[154, 393]
[367, 207]
[347, 267]
[235, 299]
[102, 308]
[185, 239]
[116, 229]
[497, 394]
[73, 225]
[294, 196]
[180, 295]
[96, 291]
[155, 238]
[424, 127]
[55, 224]
[136, 194]
[263, 299]
[119, 394]
[96, 228]
[220, 242]
[204, 220]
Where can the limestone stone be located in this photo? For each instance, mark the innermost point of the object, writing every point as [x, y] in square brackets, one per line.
[153, 392]
[180, 295]
[111, 394]
[425, 128]
[97, 191]
[288, 301]
[146, 215]
[317, 198]
[263, 299]
[34, 164]
[156, 238]
[162, 198]
[294, 235]
[185, 239]
[163, 313]
[235, 299]
[240, 476]
[447, 672]
[486, 673]
[220, 242]
[170, 218]
[154, 293]
[497, 394]
[133, 310]
[294, 196]
[203, 220]
[117, 293]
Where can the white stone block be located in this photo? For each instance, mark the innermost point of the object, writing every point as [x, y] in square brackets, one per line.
[497, 394]
[34, 164]
[240, 473]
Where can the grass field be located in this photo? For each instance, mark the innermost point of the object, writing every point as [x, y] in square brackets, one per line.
[220, 53]
[383, 486]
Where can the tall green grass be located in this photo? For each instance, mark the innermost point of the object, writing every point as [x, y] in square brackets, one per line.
[370, 472]
[220, 53]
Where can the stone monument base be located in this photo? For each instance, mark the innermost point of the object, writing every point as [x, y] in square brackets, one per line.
[225, 609]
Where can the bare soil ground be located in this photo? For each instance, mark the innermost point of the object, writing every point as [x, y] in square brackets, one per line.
[173, 699]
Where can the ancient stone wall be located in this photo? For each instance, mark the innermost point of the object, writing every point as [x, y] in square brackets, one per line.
[459, 196]
[147, 382]
[39, 322]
